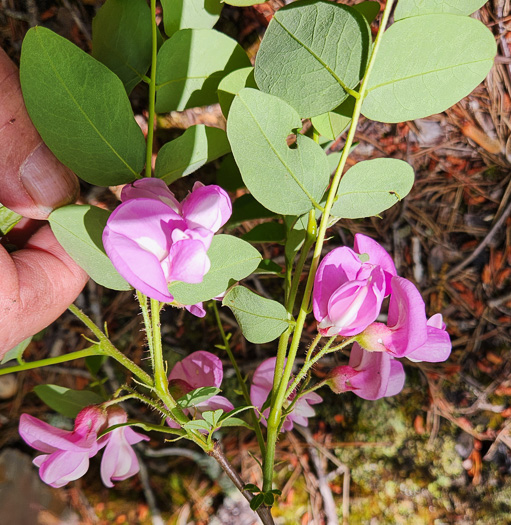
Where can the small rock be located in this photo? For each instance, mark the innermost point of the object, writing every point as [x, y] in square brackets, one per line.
[8, 386]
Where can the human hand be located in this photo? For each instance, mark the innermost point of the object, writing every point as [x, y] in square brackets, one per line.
[39, 280]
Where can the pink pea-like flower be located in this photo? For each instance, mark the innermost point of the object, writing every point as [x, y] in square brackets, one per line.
[119, 460]
[67, 453]
[369, 375]
[153, 240]
[408, 333]
[350, 286]
[199, 369]
[262, 383]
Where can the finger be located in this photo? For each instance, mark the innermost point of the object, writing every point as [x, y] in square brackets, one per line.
[34, 182]
[38, 283]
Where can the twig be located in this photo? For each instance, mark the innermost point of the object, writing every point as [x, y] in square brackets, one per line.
[263, 512]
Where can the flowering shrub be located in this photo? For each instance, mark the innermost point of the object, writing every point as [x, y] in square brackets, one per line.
[172, 253]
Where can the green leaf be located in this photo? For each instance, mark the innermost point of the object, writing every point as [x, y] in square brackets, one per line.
[261, 320]
[333, 123]
[257, 501]
[408, 8]
[197, 396]
[310, 52]
[79, 229]
[296, 232]
[66, 401]
[235, 422]
[372, 186]
[266, 232]
[94, 363]
[190, 14]
[8, 219]
[197, 424]
[191, 64]
[231, 260]
[266, 266]
[194, 148]
[80, 109]
[16, 352]
[246, 208]
[121, 39]
[369, 10]
[287, 180]
[269, 499]
[250, 487]
[228, 175]
[417, 77]
[213, 417]
[232, 84]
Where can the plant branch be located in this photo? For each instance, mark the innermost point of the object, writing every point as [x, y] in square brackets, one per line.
[109, 349]
[95, 350]
[263, 512]
[280, 396]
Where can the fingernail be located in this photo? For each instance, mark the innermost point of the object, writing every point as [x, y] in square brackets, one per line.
[48, 182]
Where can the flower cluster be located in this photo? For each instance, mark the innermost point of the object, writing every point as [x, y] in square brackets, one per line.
[262, 383]
[349, 289]
[153, 240]
[66, 453]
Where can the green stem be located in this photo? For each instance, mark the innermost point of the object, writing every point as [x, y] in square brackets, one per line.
[241, 381]
[142, 299]
[53, 360]
[312, 347]
[310, 237]
[161, 382]
[109, 349]
[280, 397]
[307, 366]
[152, 93]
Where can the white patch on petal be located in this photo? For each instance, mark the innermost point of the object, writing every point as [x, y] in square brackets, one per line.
[150, 245]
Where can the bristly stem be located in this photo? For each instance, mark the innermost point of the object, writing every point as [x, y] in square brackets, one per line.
[152, 93]
[142, 299]
[109, 349]
[280, 396]
[243, 385]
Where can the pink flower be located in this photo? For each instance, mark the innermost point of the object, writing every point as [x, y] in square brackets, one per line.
[199, 369]
[408, 333]
[369, 375]
[153, 240]
[119, 460]
[262, 383]
[350, 286]
[66, 454]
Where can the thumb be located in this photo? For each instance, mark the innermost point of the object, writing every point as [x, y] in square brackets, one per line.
[34, 182]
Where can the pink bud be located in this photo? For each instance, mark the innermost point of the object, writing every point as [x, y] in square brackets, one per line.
[369, 375]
